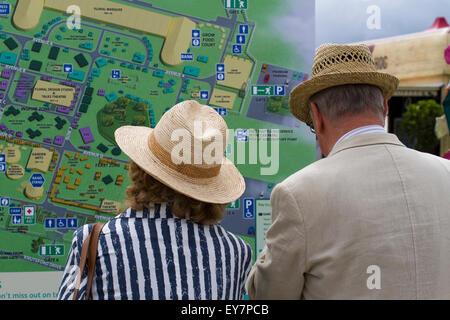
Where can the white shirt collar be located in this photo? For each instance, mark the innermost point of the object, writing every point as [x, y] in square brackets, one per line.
[360, 130]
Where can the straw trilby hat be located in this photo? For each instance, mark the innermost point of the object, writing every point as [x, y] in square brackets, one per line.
[336, 65]
[152, 149]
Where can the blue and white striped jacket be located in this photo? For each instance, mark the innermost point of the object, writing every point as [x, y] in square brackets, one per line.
[151, 254]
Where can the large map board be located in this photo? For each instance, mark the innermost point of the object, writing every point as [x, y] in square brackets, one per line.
[65, 88]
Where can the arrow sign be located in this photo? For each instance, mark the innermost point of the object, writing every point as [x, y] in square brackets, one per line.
[37, 180]
[262, 90]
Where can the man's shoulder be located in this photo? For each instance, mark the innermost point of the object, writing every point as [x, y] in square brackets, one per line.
[423, 156]
[309, 174]
[347, 160]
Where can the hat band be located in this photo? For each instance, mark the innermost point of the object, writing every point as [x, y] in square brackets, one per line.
[183, 168]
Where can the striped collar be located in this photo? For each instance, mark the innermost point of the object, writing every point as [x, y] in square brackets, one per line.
[360, 130]
[159, 211]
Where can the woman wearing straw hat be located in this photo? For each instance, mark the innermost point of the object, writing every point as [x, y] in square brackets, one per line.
[372, 219]
[168, 244]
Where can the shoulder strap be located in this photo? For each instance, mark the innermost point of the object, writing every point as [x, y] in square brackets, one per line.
[88, 252]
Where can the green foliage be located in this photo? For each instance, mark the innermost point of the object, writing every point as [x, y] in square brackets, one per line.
[35, 244]
[109, 108]
[418, 123]
[108, 121]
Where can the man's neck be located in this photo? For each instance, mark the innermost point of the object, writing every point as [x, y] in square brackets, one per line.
[348, 126]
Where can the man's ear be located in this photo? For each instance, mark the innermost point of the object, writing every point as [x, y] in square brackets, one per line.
[317, 118]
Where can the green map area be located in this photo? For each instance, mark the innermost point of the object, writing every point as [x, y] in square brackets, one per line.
[65, 87]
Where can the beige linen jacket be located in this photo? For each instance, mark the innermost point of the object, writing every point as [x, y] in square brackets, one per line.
[370, 221]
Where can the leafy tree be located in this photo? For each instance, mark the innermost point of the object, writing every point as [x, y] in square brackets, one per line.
[109, 108]
[120, 114]
[138, 120]
[123, 102]
[418, 123]
[108, 121]
[140, 106]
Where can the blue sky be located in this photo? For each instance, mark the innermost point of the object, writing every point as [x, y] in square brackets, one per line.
[344, 21]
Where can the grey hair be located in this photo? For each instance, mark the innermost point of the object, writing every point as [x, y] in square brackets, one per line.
[349, 99]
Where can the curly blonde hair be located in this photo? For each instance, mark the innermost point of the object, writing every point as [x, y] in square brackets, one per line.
[145, 190]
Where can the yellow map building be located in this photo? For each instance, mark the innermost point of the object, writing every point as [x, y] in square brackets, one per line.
[175, 30]
[39, 160]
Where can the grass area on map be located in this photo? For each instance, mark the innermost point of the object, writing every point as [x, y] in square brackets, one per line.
[47, 126]
[91, 190]
[85, 38]
[23, 242]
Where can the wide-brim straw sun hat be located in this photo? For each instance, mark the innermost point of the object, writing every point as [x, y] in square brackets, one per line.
[336, 65]
[198, 125]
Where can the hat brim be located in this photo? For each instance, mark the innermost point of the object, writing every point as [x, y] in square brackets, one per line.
[226, 187]
[299, 96]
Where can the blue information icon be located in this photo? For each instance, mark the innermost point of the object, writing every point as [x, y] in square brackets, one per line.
[195, 33]
[240, 39]
[67, 68]
[2, 157]
[204, 95]
[249, 208]
[37, 180]
[115, 74]
[279, 90]
[5, 9]
[223, 111]
[237, 49]
[16, 219]
[15, 210]
[72, 222]
[61, 223]
[186, 56]
[50, 223]
[2, 167]
[220, 67]
[220, 76]
[243, 28]
[4, 202]
[241, 135]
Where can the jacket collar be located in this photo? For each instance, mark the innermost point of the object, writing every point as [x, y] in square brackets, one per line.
[366, 139]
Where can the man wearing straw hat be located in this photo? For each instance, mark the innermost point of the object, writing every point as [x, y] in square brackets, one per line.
[372, 219]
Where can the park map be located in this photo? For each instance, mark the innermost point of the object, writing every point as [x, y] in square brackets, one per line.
[72, 72]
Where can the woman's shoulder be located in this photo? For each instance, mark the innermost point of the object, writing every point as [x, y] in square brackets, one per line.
[81, 234]
[230, 235]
